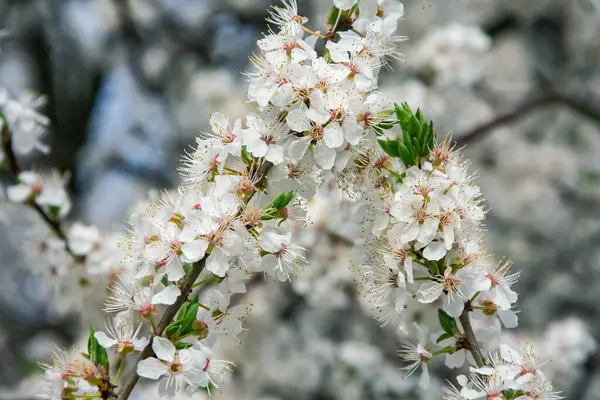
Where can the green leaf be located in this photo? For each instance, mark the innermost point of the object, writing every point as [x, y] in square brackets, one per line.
[54, 211]
[447, 323]
[390, 147]
[184, 323]
[444, 337]
[447, 349]
[406, 155]
[183, 345]
[333, 15]
[172, 330]
[415, 127]
[282, 200]
[273, 209]
[165, 280]
[97, 353]
[403, 114]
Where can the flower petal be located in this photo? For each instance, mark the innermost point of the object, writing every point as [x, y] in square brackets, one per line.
[151, 368]
[163, 348]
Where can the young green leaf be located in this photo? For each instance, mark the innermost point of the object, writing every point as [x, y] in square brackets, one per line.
[447, 323]
[97, 353]
[444, 337]
[390, 147]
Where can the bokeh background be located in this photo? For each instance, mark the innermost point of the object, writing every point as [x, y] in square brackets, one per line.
[131, 82]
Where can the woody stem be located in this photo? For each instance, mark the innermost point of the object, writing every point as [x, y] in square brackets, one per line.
[470, 338]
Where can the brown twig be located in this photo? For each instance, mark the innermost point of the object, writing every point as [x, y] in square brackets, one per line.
[470, 337]
[583, 107]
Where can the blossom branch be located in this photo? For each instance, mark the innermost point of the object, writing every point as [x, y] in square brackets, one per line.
[170, 313]
[14, 169]
[470, 338]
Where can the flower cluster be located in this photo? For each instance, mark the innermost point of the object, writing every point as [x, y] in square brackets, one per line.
[244, 185]
[430, 247]
[26, 124]
[511, 374]
[319, 121]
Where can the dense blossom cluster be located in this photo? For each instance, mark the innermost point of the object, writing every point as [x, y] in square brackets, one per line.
[319, 121]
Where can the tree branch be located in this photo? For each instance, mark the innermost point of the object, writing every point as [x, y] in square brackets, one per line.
[583, 107]
[470, 338]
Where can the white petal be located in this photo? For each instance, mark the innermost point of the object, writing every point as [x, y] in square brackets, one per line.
[324, 155]
[435, 251]
[454, 305]
[18, 193]
[271, 241]
[298, 121]
[455, 360]
[140, 344]
[104, 340]
[509, 318]
[332, 136]
[194, 250]
[511, 355]
[380, 223]
[424, 379]
[151, 368]
[275, 154]
[352, 132]
[448, 234]
[163, 348]
[297, 148]
[410, 232]
[408, 268]
[174, 270]
[344, 4]
[429, 292]
[166, 296]
[218, 263]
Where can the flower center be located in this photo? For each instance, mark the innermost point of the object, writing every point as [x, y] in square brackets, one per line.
[366, 119]
[228, 137]
[450, 283]
[174, 367]
[337, 115]
[268, 139]
[317, 132]
[175, 247]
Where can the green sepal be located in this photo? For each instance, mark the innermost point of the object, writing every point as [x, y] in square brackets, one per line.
[183, 345]
[246, 156]
[512, 394]
[390, 147]
[447, 323]
[97, 353]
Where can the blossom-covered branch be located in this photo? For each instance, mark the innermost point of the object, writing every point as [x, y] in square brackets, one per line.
[319, 121]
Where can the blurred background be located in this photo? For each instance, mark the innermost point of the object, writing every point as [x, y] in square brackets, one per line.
[130, 83]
